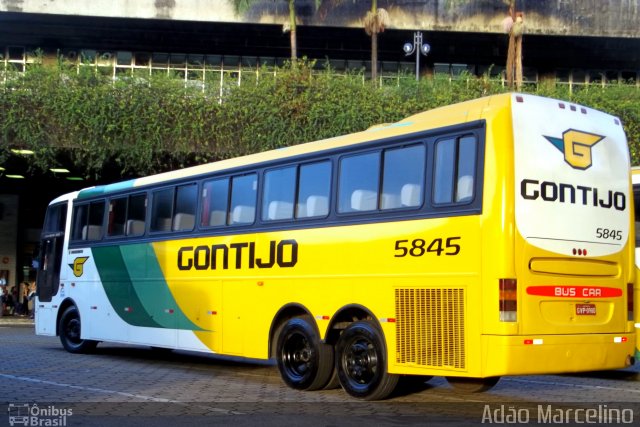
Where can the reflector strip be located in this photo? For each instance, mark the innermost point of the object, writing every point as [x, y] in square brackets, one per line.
[168, 310]
[535, 341]
[619, 340]
[212, 313]
[320, 317]
[387, 320]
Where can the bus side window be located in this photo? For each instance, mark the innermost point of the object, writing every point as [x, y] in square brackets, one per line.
[215, 198]
[467, 147]
[186, 199]
[87, 221]
[162, 210]
[358, 183]
[243, 199]
[455, 169]
[403, 177]
[136, 215]
[80, 215]
[117, 216]
[278, 194]
[314, 187]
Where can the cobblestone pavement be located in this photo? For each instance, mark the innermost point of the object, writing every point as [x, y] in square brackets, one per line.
[124, 385]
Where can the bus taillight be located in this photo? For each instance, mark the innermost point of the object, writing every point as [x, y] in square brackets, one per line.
[629, 301]
[508, 300]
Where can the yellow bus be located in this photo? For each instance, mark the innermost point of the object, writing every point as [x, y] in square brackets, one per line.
[473, 241]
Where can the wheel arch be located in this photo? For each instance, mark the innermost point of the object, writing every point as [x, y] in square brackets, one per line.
[68, 302]
[283, 315]
[345, 316]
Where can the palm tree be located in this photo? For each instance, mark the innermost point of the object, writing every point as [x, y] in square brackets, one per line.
[514, 26]
[375, 22]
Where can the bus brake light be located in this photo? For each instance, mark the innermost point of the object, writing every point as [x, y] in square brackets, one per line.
[508, 300]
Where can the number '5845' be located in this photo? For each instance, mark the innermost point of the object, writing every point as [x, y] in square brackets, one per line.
[419, 247]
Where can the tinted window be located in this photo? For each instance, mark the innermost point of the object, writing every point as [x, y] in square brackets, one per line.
[358, 183]
[215, 198]
[403, 177]
[243, 199]
[185, 208]
[162, 210]
[455, 170]
[313, 190]
[445, 154]
[55, 219]
[87, 221]
[117, 216]
[279, 193]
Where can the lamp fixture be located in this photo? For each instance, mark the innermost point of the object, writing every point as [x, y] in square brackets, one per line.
[419, 48]
[21, 151]
[15, 176]
[59, 170]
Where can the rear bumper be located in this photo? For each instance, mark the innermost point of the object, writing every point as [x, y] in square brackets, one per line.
[550, 354]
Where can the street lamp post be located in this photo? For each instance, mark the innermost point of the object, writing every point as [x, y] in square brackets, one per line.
[419, 48]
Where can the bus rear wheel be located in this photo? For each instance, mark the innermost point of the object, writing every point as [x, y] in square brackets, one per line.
[305, 363]
[361, 362]
[69, 328]
[472, 385]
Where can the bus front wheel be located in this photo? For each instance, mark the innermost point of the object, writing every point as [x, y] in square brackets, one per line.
[472, 385]
[305, 363]
[361, 362]
[69, 329]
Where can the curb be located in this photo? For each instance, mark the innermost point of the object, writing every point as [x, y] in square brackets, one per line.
[16, 321]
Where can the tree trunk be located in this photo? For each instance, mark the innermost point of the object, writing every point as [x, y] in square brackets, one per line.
[294, 41]
[374, 57]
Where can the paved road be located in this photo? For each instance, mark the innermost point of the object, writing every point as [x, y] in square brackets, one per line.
[123, 385]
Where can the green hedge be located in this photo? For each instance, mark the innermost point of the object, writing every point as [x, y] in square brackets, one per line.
[145, 125]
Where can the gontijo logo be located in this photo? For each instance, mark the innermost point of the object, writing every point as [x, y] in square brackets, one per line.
[78, 265]
[576, 146]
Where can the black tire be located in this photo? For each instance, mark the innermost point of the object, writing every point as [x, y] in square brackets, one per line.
[472, 385]
[69, 329]
[305, 363]
[361, 362]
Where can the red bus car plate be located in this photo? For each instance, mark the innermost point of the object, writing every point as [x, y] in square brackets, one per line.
[586, 309]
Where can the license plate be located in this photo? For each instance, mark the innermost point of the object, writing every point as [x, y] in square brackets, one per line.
[586, 309]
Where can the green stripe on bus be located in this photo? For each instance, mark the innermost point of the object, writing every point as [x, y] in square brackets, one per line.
[119, 288]
[154, 294]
